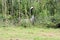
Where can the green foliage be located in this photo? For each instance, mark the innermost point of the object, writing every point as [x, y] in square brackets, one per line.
[44, 11]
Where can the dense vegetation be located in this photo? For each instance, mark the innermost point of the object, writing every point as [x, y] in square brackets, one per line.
[46, 12]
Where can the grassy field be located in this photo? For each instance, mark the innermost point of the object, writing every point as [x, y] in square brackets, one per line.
[19, 33]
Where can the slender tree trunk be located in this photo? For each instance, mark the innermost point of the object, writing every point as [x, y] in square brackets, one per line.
[12, 7]
[4, 8]
[19, 8]
[12, 12]
[26, 11]
[4, 11]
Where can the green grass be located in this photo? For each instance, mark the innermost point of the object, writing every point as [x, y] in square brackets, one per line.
[14, 33]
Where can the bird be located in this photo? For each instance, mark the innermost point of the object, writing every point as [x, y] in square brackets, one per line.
[31, 10]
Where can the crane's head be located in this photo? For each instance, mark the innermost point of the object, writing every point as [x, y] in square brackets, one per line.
[31, 8]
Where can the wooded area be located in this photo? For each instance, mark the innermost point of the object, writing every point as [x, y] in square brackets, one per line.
[45, 13]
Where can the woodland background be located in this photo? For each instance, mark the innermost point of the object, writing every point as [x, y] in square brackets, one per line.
[47, 12]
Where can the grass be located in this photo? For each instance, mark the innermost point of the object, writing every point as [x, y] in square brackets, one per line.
[19, 33]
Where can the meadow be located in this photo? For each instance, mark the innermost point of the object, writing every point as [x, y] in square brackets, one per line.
[20, 33]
